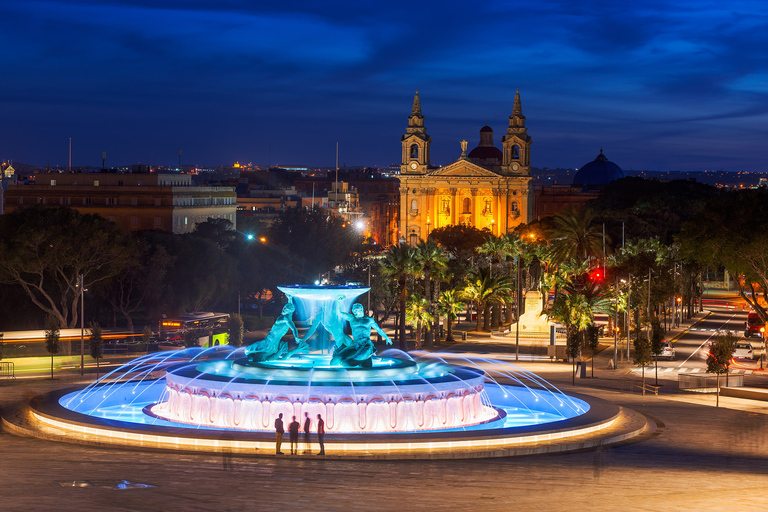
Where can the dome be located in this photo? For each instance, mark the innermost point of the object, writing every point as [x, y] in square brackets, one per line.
[598, 172]
[486, 150]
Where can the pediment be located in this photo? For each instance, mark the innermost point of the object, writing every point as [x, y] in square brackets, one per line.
[464, 169]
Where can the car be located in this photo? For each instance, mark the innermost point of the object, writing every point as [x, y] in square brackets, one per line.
[744, 350]
[667, 351]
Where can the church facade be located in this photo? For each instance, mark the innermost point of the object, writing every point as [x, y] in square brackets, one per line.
[488, 188]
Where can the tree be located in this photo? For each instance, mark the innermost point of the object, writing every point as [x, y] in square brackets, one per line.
[657, 337]
[719, 357]
[450, 307]
[433, 259]
[572, 310]
[312, 242]
[643, 356]
[235, 330]
[417, 315]
[142, 278]
[460, 240]
[44, 250]
[733, 231]
[191, 338]
[146, 336]
[97, 344]
[484, 290]
[575, 235]
[52, 330]
[399, 262]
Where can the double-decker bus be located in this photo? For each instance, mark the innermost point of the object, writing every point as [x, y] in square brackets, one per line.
[212, 328]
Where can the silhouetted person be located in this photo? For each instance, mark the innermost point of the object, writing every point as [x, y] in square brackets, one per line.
[321, 434]
[307, 423]
[279, 430]
[293, 428]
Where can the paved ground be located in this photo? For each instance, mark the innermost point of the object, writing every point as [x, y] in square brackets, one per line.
[700, 458]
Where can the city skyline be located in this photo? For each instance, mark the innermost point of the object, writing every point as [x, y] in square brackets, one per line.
[657, 86]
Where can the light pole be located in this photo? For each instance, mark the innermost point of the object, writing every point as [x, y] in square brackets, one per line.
[369, 288]
[82, 323]
[517, 323]
[616, 326]
[629, 311]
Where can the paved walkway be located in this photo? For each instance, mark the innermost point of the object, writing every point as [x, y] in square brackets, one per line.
[700, 458]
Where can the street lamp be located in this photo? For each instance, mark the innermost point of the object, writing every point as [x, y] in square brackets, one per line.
[82, 323]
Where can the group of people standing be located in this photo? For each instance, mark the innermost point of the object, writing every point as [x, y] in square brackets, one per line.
[293, 430]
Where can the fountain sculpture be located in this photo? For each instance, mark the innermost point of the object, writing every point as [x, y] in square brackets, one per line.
[183, 399]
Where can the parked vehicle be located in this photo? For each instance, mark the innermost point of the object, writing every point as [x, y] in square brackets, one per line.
[744, 350]
[754, 326]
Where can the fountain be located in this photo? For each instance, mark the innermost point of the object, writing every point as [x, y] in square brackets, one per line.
[388, 405]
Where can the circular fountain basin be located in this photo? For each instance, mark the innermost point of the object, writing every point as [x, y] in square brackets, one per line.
[393, 395]
[530, 416]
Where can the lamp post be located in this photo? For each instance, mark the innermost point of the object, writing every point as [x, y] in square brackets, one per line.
[82, 323]
[629, 311]
[517, 323]
[616, 326]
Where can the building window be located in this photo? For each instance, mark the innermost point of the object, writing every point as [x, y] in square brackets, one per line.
[446, 206]
[157, 221]
[414, 205]
[414, 151]
[111, 201]
[466, 204]
[21, 200]
[134, 201]
[157, 202]
[40, 200]
[185, 220]
[515, 152]
[95, 183]
[134, 221]
[513, 206]
[119, 183]
[488, 210]
[87, 201]
[53, 183]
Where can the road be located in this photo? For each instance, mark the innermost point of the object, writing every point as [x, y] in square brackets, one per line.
[691, 346]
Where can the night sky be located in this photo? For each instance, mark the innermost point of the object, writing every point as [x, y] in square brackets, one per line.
[659, 85]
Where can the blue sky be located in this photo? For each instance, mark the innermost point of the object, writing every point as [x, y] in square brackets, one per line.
[660, 85]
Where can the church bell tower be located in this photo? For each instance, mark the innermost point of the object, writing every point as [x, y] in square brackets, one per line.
[415, 142]
[517, 143]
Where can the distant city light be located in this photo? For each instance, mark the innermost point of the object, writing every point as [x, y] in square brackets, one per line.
[360, 225]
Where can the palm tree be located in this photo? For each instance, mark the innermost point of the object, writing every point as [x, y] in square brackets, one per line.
[417, 315]
[575, 235]
[497, 248]
[433, 259]
[450, 307]
[399, 262]
[484, 290]
[572, 310]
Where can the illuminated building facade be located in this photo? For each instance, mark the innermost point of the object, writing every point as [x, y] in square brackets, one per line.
[489, 188]
[168, 202]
